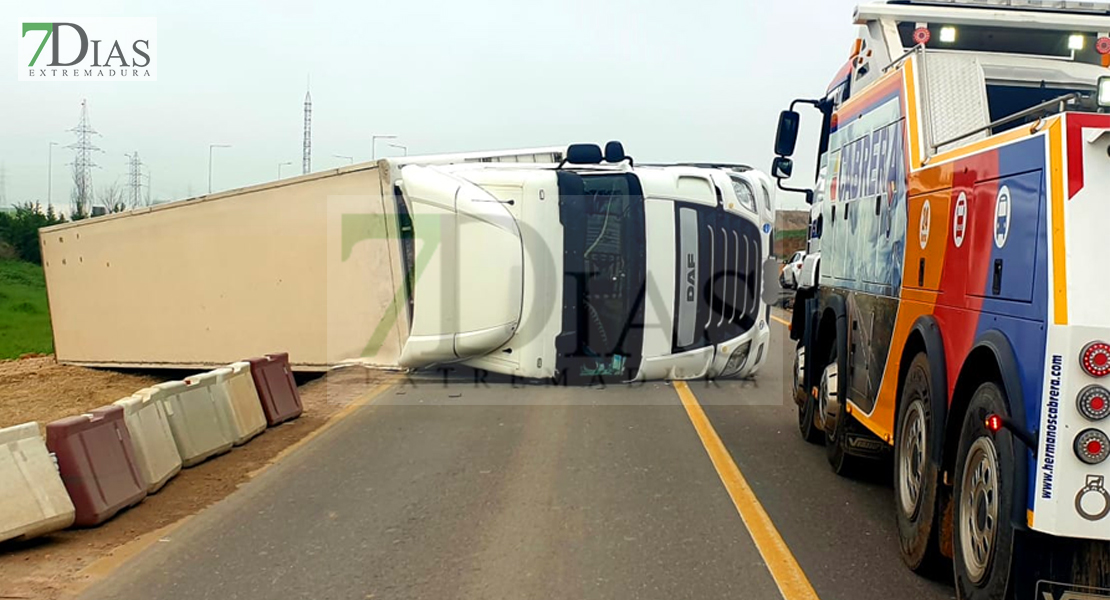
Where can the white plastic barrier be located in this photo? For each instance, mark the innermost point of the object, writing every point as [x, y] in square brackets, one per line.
[33, 500]
[200, 423]
[249, 420]
[155, 448]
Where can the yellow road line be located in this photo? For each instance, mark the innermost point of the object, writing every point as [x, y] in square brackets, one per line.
[780, 320]
[788, 575]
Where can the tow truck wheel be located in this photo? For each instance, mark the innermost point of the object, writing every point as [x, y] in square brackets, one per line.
[836, 421]
[807, 404]
[983, 498]
[915, 475]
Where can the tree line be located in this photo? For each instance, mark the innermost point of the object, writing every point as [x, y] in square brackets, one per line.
[19, 229]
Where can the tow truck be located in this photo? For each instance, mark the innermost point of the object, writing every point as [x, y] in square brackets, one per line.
[950, 315]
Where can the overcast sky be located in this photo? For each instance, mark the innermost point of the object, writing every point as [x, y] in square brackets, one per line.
[675, 81]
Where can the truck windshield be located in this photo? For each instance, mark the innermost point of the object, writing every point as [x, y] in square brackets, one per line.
[604, 274]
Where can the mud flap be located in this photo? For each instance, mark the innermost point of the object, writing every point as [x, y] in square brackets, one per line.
[863, 444]
[1054, 568]
[1047, 590]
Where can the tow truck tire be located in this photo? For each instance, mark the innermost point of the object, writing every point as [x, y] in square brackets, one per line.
[916, 479]
[983, 532]
[807, 408]
[807, 413]
[842, 463]
[836, 451]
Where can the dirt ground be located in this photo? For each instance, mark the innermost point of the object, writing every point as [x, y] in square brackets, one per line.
[38, 389]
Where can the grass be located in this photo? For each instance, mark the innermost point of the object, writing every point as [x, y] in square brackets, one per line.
[789, 241]
[796, 234]
[24, 316]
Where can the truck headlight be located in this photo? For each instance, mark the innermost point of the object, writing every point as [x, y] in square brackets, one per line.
[1104, 91]
[738, 358]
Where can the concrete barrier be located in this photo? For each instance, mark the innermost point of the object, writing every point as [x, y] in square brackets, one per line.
[216, 383]
[250, 420]
[155, 449]
[97, 464]
[33, 500]
[199, 423]
[276, 388]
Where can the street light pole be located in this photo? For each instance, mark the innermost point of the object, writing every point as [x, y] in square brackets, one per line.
[400, 147]
[350, 159]
[50, 173]
[280, 165]
[210, 147]
[374, 144]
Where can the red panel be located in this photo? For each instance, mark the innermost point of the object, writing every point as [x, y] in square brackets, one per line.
[276, 388]
[1076, 123]
[97, 463]
[966, 266]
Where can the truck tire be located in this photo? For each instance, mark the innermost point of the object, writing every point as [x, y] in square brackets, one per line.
[983, 532]
[836, 432]
[842, 463]
[916, 479]
[807, 405]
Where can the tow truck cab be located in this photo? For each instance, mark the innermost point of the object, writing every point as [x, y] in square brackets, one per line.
[594, 268]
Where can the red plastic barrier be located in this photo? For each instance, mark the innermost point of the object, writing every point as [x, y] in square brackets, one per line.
[276, 388]
[97, 463]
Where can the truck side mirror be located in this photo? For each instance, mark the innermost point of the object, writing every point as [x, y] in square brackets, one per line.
[584, 154]
[787, 137]
[782, 168]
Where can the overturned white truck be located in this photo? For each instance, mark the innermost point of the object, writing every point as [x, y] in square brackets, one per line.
[563, 263]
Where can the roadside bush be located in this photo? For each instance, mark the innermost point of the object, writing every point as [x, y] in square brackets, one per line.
[20, 230]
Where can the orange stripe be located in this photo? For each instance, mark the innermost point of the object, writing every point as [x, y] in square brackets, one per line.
[1059, 264]
[911, 113]
[878, 89]
[982, 145]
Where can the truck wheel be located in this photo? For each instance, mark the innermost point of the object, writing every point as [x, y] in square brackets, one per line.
[983, 498]
[837, 421]
[915, 476]
[807, 404]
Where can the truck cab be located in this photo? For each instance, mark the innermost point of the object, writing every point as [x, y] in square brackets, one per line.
[593, 268]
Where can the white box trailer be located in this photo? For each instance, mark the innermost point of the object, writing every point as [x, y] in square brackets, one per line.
[308, 265]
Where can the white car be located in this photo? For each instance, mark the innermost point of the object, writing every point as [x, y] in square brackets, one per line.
[792, 270]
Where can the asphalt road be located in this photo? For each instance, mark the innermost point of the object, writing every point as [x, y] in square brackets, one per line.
[445, 489]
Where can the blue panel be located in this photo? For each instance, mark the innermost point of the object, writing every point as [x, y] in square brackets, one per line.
[1018, 211]
[1025, 257]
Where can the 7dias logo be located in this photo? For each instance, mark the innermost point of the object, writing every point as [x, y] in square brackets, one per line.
[95, 49]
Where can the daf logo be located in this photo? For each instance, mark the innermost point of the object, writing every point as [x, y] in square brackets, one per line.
[959, 220]
[691, 277]
[1002, 211]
